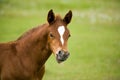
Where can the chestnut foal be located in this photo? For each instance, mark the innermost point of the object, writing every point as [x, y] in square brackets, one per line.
[24, 58]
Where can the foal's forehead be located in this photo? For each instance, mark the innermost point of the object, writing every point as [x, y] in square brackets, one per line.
[59, 24]
[59, 21]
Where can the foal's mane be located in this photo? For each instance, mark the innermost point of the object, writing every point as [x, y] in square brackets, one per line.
[29, 32]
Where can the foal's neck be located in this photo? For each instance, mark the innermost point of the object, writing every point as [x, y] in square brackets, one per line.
[35, 45]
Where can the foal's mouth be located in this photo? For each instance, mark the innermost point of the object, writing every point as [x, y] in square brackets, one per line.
[61, 56]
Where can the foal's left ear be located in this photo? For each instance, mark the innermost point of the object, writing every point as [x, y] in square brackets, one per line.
[51, 16]
[68, 17]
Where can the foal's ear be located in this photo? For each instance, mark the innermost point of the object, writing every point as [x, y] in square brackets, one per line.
[68, 17]
[51, 16]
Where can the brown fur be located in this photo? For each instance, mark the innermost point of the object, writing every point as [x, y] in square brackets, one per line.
[24, 58]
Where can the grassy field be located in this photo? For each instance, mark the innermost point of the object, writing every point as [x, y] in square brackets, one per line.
[95, 30]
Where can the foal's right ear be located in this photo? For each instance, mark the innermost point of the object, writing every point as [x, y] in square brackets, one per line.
[50, 17]
[68, 17]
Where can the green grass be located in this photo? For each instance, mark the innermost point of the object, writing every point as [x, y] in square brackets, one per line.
[95, 35]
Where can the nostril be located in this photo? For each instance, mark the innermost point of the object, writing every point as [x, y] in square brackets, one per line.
[67, 54]
[60, 52]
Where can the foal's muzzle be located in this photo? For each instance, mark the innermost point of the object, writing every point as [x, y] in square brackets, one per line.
[62, 56]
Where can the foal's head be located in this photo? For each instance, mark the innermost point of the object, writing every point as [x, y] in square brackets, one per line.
[58, 35]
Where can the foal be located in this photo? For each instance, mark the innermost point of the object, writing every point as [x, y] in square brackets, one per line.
[24, 58]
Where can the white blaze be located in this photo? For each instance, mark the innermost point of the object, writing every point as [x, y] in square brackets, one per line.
[61, 30]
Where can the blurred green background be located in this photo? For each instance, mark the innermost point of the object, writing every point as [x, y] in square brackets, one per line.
[95, 30]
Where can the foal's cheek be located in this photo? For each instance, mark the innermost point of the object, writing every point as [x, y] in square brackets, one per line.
[64, 47]
[54, 46]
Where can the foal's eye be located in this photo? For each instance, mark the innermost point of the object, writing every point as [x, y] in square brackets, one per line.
[69, 35]
[51, 35]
